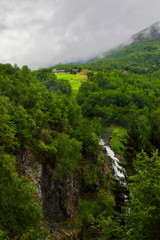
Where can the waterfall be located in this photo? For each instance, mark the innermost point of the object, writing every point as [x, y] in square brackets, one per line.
[119, 171]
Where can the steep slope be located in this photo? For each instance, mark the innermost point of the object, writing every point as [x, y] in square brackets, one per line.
[141, 51]
[152, 33]
[138, 58]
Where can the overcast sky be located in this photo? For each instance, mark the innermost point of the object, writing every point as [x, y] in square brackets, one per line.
[41, 33]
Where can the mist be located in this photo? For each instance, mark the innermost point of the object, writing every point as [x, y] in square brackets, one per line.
[44, 33]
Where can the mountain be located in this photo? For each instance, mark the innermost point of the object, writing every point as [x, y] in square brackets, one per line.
[152, 33]
[140, 54]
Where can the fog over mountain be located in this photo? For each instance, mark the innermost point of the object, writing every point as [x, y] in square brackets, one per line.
[151, 33]
[43, 33]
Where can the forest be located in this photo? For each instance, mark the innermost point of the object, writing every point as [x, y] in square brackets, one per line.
[56, 182]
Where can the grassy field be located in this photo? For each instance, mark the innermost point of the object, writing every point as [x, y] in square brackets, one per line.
[74, 79]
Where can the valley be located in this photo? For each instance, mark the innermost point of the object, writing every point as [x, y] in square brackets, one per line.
[58, 179]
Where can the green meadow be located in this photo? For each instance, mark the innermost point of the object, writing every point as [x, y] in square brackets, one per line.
[74, 79]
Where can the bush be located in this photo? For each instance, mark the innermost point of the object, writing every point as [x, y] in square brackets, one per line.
[19, 210]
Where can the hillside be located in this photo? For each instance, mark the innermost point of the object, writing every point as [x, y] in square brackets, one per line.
[140, 54]
[74, 79]
[58, 172]
[150, 34]
[145, 56]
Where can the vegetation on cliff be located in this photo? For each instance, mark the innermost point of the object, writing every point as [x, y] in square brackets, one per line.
[48, 124]
[39, 114]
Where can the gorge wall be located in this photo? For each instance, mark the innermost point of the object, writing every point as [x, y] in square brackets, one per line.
[59, 198]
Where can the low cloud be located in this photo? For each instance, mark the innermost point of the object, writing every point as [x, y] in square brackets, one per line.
[43, 33]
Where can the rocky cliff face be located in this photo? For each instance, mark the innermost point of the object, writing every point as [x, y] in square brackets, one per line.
[29, 166]
[59, 198]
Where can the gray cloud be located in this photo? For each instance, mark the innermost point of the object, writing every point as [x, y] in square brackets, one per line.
[43, 33]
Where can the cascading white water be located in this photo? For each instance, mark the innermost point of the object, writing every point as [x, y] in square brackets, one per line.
[117, 168]
[119, 171]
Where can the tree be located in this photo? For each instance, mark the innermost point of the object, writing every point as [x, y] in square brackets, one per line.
[155, 129]
[143, 213]
[19, 210]
[68, 155]
[7, 127]
[136, 140]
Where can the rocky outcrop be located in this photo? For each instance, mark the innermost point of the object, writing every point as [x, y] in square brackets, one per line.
[60, 197]
[29, 166]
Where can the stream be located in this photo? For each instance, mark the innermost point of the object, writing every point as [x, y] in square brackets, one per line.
[119, 171]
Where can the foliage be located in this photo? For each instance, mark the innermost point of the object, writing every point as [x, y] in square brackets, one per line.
[7, 128]
[99, 218]
[65, 82]
[142, 213]
[114, 96]
[51, 126]
[138, 58]
[49, 79]
[74, 80]
[19, 210]
[38, 113]
[68, 156]
[68, 67]
[109, 228]
[117, 138]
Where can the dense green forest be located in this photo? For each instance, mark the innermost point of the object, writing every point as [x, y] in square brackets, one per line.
[40, 117]
[139, 58]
